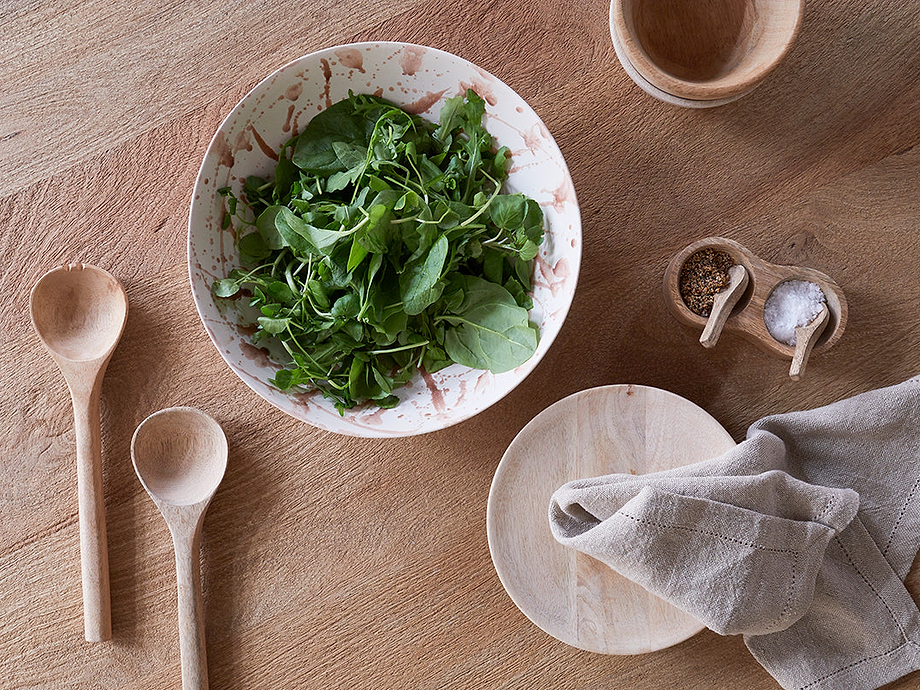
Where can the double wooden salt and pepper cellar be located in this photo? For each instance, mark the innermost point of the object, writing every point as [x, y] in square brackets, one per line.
[740, 306]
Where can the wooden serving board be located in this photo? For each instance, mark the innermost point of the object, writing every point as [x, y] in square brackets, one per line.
[571, 596]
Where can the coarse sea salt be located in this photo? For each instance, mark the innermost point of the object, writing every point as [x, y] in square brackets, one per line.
[792, 303]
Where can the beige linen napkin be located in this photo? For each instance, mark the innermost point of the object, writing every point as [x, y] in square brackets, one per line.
[766, 540]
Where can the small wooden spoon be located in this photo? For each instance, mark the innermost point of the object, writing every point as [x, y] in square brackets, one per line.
[180, 455]
[79, 312]
[722, 305]
[805, 339]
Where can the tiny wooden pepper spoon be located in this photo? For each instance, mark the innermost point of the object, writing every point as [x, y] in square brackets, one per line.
[79, 312]
[722, 305]
[180, 455]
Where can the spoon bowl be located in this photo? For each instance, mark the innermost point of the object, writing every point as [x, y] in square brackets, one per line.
[180, 455]
[805, 338]
[79, 312]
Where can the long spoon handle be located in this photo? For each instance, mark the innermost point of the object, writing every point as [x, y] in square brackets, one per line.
[94, 553]
[192, 646]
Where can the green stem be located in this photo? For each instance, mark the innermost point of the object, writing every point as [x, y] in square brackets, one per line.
[482, 208]
[390, 350]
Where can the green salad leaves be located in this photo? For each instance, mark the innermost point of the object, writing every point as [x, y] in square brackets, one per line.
[384, 244]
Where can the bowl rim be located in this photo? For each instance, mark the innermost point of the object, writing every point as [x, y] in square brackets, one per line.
[515, 376]
[719, 89]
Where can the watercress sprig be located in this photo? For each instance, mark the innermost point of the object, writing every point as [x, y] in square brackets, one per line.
[384, 244]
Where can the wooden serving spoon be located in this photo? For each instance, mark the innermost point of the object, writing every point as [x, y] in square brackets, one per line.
[722, 305]
[79, 312]
[180, 455]
[805, 339]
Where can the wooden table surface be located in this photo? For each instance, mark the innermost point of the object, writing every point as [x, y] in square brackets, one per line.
[346, 563]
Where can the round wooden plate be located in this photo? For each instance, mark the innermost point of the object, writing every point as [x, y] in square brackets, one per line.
[571, 596]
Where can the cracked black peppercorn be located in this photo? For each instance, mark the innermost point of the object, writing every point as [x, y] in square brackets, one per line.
[704, 275]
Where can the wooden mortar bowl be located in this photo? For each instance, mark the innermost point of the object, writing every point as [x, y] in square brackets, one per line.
[705, 50]
[747, 316]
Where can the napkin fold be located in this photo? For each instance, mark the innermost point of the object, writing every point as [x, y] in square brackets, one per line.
[799, 538]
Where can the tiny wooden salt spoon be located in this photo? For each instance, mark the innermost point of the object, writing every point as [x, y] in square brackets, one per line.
[180, 455]
[805, 338]
[722, 305]
[79, 312]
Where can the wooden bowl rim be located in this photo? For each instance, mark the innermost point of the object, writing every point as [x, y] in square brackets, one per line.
[723, 87]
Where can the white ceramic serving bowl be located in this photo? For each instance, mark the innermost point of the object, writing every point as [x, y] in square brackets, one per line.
[419, 79]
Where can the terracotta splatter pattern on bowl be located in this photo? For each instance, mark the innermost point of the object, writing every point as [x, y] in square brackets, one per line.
[418, 79]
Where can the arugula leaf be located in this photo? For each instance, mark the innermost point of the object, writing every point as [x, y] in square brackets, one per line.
[508, 210]
[304, 236]
[265, 224]
[451, 119]
[272, 325]
[252, 248]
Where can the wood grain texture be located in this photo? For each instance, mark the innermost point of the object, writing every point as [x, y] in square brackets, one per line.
[349, 563]
[79, 313]
[180, 456]
[704, 51]
[575, 598]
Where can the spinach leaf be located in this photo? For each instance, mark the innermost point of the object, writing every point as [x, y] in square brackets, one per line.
[489, 329]
[420, 282]
[314, 152]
